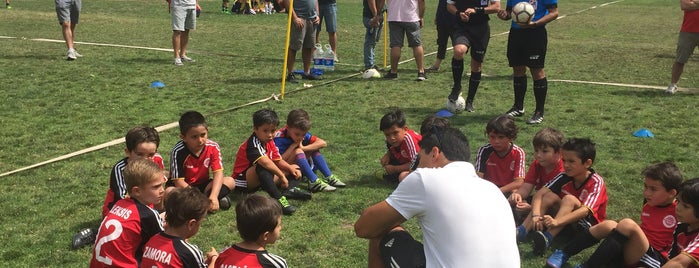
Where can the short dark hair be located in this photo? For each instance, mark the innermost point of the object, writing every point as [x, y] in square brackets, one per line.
[300, 119]
[191, 119]
[502, 124]
[665, 172]
[433, 122]
[548, 137]
[138, 135]
[265, 116]
[689, 193]
[583, 147]
[255, 215]
[451, 141]
[184, 204]
[395, 117]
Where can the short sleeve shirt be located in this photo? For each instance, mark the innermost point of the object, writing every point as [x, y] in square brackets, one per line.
[166, 251]
[592, 193]
[235, 256]
[252, 150]
[407, 151]
[541, 8]
[686, 242]
[500, 170]
[658, 224]
[195, 169]
[283, 141]
[117, 184]
[538, 176]
[403, 10]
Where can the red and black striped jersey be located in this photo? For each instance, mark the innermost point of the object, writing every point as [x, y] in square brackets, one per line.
[164, 250]
[117, 184]
[236, 256]
[192, 168]
[252, 150]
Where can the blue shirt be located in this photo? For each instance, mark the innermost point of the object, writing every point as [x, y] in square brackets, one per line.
[541, 8]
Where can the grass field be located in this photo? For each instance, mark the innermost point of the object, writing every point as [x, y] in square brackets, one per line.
[51, 107]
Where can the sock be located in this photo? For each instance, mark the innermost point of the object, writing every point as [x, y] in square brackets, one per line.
[607, 251]
[473, 83]
[457, 71]
[520, 88]
[305, 167]
[224, 191]
[580, 242]
[267, 182]
[293, 182]
[540, 90]
[320, 164]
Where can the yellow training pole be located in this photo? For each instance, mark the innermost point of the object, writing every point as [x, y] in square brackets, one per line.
[286, 47]
[385, 34]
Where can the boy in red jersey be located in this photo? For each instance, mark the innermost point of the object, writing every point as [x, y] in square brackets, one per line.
[579, 193]
[401, 144]
[258, 163]
[628, 243]
[500, 161]
[131, 221]
[193, 156]
[259, 222]
[298, 146]
[685, 245]
[547, 165]
[185, 210]
[141, 142]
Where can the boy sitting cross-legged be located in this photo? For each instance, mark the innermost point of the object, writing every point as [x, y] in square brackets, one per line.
[500, 161]
[579, 193]
[298, 146]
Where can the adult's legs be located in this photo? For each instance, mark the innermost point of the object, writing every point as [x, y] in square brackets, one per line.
[176, 43]
[184, 39]
[68, 30]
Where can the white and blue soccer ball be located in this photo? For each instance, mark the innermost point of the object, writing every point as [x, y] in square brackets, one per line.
[456, 106]
[371, 73]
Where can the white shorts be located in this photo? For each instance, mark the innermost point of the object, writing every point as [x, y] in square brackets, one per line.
[183, 18]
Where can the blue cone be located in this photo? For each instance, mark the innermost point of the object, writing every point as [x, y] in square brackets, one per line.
[157, 84]
[643, 133]
[444, 113]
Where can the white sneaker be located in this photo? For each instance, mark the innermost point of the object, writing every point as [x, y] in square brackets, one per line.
[671, 89]
[336, 60]
[187, 59]
[252, 12]
[71, 55]
[77, 54]
[178, 62]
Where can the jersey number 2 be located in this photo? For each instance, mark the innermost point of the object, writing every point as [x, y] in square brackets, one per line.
[118, 229]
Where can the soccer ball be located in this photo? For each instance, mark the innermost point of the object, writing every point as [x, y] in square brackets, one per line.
[522, 12]
[371, 73]
[458, 106]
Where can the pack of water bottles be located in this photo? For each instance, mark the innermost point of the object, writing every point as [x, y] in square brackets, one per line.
[324, 58]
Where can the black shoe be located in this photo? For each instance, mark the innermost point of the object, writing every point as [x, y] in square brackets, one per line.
[537, 118]
[390, 75]
[84, 237]
[287, 209]
[421, 76]
[291, 78]
[469, 106]
[296, 193]
[224, 203]
[454, 95]
[541, 243]
[514, 112]
[311, 77]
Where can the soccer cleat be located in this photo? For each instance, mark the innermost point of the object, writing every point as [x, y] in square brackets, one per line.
[291, 78]
[287, 209]
[537, 118]
[542, 241]
[432, 69]
[671, 89]
[515, 112]
[224, 203]
[557, 259]
[334, 181]
[311, 77]
[521, 233]
[296, 193]
[320, 186]
[390, 75]
[469, 106]
[454, 94]
[187, 59]
[71, 55]
[84, 237]
[178, 62]
[421, 76]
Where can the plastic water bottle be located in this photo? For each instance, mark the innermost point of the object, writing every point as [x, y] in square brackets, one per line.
[329, 58]
[318, 58]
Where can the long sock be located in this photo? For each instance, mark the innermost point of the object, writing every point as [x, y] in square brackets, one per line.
[608, 251]
[305, 167]
[580, 242]
[473, 83]
[267, 182]
[520, 88]
[320, 164]
[457, 71]
[540, 89]
[293, 182]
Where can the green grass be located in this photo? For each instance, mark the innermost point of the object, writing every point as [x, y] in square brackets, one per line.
[51, 107]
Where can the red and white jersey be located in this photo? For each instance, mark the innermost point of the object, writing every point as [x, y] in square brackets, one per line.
[538, 176]
[252, 150]
[117, 184]
[236, 256]
[658, 224]
[686, 243]
[407, 151]
[166, 251]
[690, 22]
[192, 168]
[122, 234]
[500, 170]
[592, 193]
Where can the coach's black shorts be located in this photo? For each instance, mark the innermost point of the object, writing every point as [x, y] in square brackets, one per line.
[400, 249]
[475, 37]
[527, 47]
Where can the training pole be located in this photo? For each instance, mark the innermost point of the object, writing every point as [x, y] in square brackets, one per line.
[385, 34]
[289, 9]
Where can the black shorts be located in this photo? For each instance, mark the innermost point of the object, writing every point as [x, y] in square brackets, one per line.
[475, 37]
[652, 259]
[527, 47]
[400, 249]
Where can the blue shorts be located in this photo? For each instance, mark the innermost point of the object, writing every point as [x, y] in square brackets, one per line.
[327, 12]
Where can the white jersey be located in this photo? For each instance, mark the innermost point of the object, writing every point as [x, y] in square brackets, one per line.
[465, 220]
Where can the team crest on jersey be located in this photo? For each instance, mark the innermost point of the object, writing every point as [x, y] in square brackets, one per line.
[669, 221]
[512, 166]
[207, 161]
[583, 194]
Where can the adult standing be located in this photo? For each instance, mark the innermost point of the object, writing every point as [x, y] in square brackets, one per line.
[327, 10]
[526, 47]
[68, 12]
[405, 18]
[465, 221]
[304, 15]
[686, 42]
[471, 31]
[184, 18]
[373, 22]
